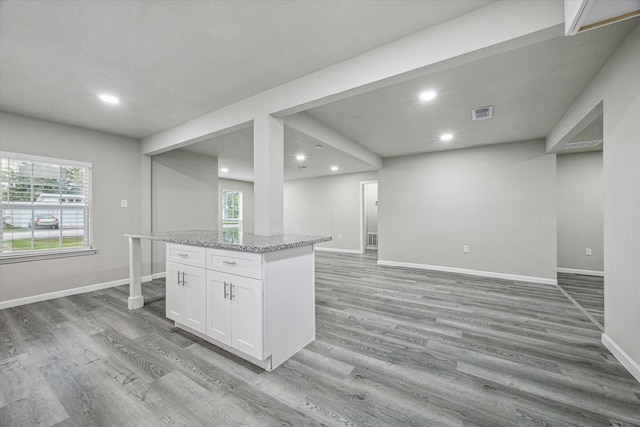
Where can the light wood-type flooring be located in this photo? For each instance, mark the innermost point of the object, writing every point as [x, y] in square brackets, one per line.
[394, 347]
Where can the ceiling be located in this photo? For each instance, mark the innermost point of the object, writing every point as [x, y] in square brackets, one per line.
[173, 61]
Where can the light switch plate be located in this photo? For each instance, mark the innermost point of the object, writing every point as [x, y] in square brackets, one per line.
[123, 203]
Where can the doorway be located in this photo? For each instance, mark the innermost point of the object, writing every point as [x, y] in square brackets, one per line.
[370, 215]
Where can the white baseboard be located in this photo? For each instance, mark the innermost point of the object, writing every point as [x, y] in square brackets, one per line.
[344, 251]
[530, 279]
[583, 272]
[74, 291]
[632, 366]
[156, 276]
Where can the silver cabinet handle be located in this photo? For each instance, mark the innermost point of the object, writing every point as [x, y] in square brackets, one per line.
[179, 279]
[183, 255]
[231, 285]
[225, 290]
[229, 262]
[184, 281]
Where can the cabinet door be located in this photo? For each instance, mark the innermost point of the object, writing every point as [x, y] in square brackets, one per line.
[218, 306]
[175, 293]
[246, 316]
[195, 297]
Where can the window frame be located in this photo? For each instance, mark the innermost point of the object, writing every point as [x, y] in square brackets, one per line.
[87, 207]
[239, 226]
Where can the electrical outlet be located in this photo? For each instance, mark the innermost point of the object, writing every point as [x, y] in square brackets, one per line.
[588, 252]
[465, 249]
[123, 203]
[339, 236]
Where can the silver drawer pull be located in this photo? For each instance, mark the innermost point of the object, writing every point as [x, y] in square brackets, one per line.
[229, 262]
[182, 255]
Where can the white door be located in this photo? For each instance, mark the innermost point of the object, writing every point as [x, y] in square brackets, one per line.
[175, 293]
[195, 297]
[218, 306]
[246, 316]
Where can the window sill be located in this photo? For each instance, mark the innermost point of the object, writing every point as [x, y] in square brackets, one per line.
[38, 256]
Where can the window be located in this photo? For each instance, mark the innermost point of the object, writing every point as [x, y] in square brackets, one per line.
[232, 212]
[46, 206]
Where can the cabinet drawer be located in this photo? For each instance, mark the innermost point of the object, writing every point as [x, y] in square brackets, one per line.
[232, 262]
[187, 255]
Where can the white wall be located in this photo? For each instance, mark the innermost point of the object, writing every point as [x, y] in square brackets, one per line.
[184, 196]
[499, 200]
[617, 87]
[116, 176]
[580, 211]
[328, 206]
[247, 201]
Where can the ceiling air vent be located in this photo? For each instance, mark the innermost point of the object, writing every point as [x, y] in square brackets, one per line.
[482, 113]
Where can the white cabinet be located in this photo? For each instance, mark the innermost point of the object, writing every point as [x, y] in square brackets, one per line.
[186, 295]
[260, 307]
[234, 312]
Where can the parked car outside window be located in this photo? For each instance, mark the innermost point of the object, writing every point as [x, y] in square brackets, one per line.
[44, 221]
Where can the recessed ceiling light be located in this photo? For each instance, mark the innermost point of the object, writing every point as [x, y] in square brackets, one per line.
[428, 95]
[224, 170]
[334, 168]
[109, 99]
[446, 137]
[300, 157]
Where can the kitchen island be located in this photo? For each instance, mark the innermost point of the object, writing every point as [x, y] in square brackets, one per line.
[253, 296]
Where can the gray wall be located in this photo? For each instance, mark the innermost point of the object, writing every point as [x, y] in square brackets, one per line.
[499, 200]
[580, 211]
[184, 196]
[116, 176]
[328, 206]
[247, 200]
[619, 85]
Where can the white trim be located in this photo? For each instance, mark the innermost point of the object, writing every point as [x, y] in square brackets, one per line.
[67, 292]
[344, 251]
[13, 257]
[583, 272]
[154, 276]
[31, 157]
[632, 366]
[480, 273]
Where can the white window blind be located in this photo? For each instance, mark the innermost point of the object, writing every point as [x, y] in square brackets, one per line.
[46, 205]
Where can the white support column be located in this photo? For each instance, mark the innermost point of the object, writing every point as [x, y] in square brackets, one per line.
[135, 280]
[268, 165]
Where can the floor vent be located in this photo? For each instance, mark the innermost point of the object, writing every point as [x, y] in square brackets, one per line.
[482, 113]
[372, 239]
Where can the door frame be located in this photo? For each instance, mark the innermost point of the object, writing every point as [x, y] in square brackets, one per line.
[363, 213]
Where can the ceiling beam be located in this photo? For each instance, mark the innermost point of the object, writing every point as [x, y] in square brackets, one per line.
[495, 28]
[302, 122]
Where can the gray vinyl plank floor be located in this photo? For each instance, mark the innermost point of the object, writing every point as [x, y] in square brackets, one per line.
[587, 291]
[394, 347]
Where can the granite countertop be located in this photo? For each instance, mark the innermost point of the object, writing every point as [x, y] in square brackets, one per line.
[231, 240]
